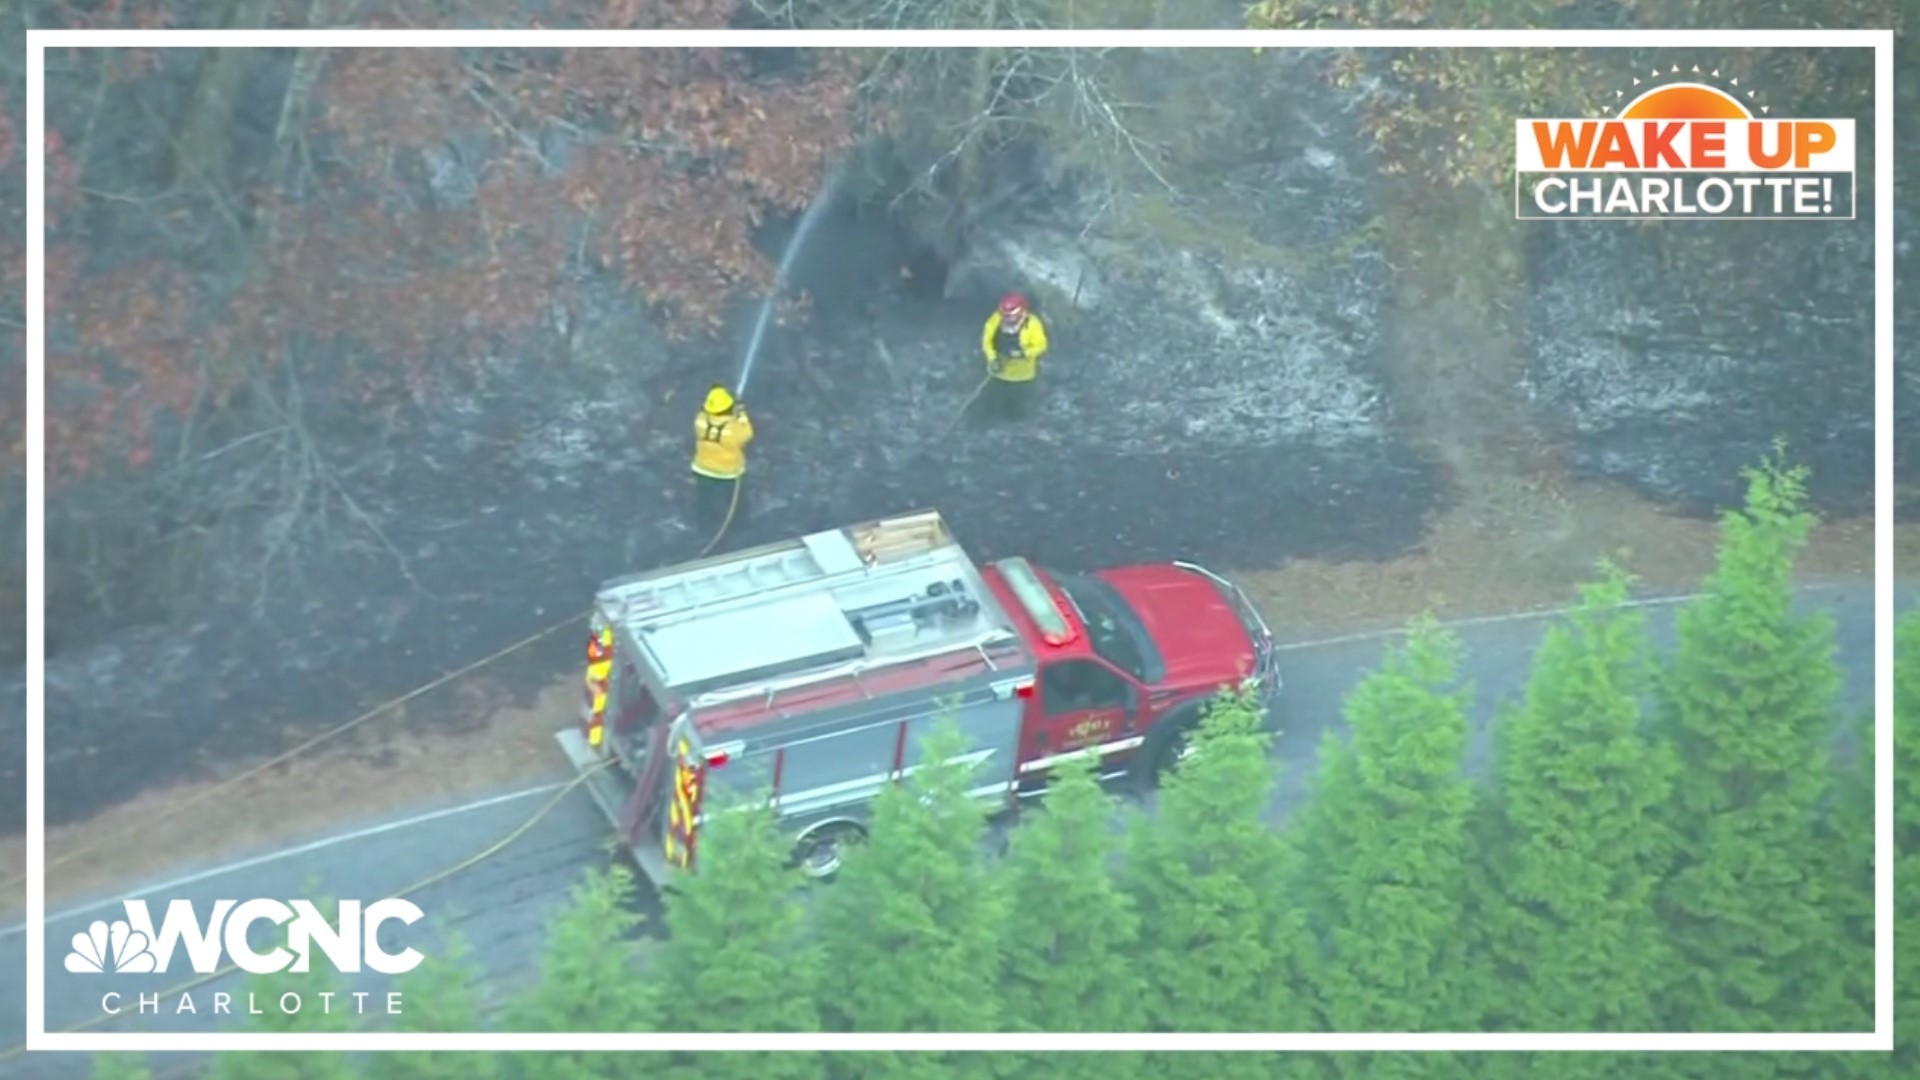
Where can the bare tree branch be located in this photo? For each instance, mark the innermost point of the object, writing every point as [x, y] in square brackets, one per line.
[990, 98]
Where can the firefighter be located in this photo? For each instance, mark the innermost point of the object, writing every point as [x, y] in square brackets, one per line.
[1014, 341]
[721, 434]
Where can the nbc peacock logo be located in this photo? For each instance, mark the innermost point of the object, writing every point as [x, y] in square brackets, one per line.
[1684, 144]
[112, 948]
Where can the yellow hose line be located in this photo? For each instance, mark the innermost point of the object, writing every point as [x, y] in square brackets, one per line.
[964, 406]
[733, 505]
[229, 784]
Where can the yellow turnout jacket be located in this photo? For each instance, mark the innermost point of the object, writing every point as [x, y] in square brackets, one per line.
[1019, 366]
[720, 444]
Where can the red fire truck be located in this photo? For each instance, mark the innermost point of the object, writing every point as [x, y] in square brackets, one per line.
[809, 672]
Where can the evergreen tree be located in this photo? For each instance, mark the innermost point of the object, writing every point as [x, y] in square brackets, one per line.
[1221, 943]
[1386, 835]
[1844, 847]
[737, 957]
[1906, 843]
[1072, 930]
[1573, 853]
[1749, 701]
[590, 980]
[912, 924]
[441, 996]
[120, 1067]
[1844, 861]
[283, 1003]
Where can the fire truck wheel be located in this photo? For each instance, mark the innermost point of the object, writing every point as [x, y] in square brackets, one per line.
[1166, 746]
[820, 850]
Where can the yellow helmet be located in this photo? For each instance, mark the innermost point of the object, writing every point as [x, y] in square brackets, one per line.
[719, 401]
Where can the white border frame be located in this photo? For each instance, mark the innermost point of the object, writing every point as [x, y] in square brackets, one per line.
[1880, 41]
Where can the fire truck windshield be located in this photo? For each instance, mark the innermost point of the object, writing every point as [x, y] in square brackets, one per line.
[1114, 631]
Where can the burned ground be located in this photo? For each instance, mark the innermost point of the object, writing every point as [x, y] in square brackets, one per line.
[1676, 356]
[1227, 384]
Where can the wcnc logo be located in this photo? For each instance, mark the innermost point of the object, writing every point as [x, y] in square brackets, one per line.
[133, 946]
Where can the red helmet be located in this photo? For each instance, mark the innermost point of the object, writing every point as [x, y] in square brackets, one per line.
[1013, 306]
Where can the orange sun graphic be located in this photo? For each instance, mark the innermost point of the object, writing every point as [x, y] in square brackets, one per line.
[1686, 101]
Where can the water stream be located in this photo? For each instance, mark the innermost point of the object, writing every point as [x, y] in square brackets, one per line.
[799, 239]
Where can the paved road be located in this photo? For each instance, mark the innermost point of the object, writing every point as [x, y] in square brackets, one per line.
[502, 906]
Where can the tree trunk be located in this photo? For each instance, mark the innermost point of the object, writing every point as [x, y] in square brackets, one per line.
[289, 133]
[967, 174]
[203, 138]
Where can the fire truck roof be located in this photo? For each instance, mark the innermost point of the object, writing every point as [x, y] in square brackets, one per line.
[845, 600]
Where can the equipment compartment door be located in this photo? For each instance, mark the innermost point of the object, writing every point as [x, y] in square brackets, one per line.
[1083, 703]
[633, 708]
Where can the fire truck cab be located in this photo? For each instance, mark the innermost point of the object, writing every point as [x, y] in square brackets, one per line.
[809, 672]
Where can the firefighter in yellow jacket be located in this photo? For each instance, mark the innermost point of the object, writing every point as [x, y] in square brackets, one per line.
[721, 434]
[1014, 341]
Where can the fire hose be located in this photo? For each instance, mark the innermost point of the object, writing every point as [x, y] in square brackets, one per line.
[338, 730]
[964, 406]
[468, 863]
[332, 733]
[733, 505]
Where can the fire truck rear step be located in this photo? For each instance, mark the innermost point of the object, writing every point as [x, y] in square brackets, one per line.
[610, 790]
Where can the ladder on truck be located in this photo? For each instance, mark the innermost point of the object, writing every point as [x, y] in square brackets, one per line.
[672, 597]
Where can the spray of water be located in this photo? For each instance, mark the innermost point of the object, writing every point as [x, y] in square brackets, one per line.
[800, 233]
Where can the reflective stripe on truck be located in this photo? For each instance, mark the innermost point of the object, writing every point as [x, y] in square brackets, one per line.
[599, 679]
[690, 771]
[1109, 749]
[689, 776]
